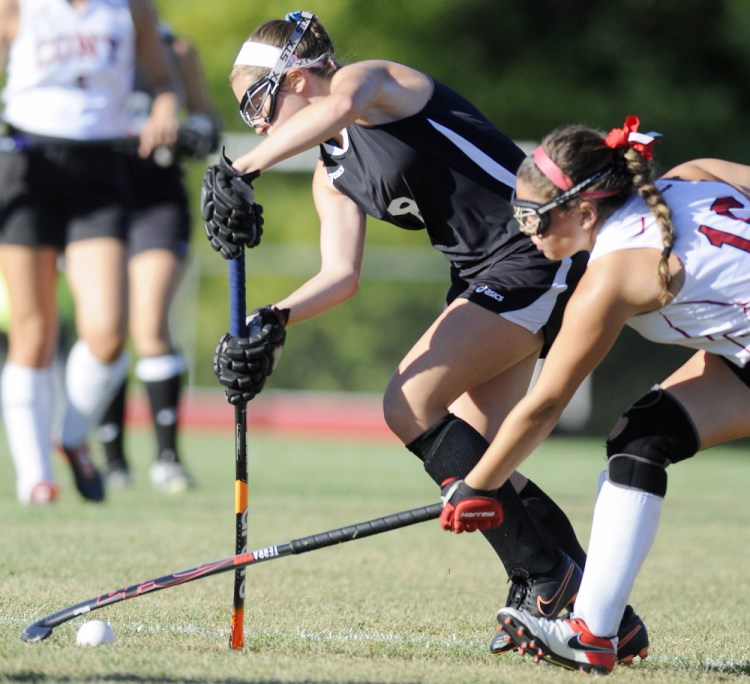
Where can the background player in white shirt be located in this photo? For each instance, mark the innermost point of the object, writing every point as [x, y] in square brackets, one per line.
[69, 67]
[671, 258]
[157, 248]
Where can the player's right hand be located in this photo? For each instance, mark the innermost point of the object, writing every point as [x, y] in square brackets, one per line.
[466, 509]
[232, 218]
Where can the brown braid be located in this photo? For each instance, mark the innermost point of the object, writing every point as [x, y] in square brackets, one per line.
[580, 152]
[641, 170]
[315, 43]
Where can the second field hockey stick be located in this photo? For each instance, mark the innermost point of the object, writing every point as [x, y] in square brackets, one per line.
[41, 629]
[238, 328]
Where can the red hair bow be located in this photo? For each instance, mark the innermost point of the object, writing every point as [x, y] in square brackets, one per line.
[628, 136]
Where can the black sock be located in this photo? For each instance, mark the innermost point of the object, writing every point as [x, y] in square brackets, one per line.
[451, 448]
[163, 397]
[111, 430]
[552, 522]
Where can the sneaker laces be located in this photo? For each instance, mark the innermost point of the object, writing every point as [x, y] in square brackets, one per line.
[519, 589]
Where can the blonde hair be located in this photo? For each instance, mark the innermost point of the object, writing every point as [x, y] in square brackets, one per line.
[580, 152]
[315, 43]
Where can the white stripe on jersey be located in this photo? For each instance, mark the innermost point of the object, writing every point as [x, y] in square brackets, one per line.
[481, 159]
[712, 225]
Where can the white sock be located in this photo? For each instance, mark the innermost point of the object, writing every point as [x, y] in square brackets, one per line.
[90, 386]
[622, 533]
[155, 368]
[28, 401]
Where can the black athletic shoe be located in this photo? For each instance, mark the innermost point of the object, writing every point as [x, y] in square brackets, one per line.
[541, 596]
[632, 638]
[87, 478]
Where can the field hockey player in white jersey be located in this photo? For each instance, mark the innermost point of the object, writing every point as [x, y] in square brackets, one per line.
[69, 67]
[398, 145]
[670, 258]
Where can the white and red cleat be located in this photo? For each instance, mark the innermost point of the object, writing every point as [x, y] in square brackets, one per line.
[566, 642]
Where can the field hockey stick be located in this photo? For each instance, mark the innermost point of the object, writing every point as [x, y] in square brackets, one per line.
[238, 328]
[41, 629]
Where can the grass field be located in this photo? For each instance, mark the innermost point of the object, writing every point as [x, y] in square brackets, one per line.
[413, 605]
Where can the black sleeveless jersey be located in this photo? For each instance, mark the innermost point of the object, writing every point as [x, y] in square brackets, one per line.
[446, 169]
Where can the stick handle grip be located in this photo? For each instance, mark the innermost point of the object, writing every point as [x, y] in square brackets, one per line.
[237, 310]
[366, 529]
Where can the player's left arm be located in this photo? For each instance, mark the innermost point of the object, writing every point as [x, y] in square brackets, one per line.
[200, 129]
[197, 95]
[594, 317]
[342, 243]
[163, 123]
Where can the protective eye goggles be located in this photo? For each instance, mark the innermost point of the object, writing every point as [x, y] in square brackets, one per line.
[259, 101]
[533, 217]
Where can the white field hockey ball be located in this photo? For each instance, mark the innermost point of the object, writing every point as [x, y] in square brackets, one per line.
[95, 633]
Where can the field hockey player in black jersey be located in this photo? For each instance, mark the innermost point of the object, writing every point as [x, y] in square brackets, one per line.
[397, 145]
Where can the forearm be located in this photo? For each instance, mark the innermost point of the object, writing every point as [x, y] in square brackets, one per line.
[319, 294]
[165, 106]
[304, 130]
[521, 433]
[162, 124]
[732, 173]
[735, 174]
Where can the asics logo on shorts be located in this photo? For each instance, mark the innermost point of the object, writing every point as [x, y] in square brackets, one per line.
[333, 175]
[488, 292]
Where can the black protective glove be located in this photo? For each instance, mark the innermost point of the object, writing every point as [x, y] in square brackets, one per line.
[198, 136]
[243, 364]
[232, 218]
[466, 509]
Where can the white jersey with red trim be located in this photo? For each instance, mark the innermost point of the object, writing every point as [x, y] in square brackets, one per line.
[70, 70]
[712, 225]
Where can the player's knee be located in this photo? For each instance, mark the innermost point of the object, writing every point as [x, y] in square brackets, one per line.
[106, 347]
[32, 340]
[397, 411]
[654, 432]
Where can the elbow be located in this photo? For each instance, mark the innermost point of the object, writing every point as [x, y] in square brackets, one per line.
[342, 108]
[349, 286]
[544, 415]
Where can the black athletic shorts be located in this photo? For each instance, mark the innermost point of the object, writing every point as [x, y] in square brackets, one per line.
[160, 214]
[56, 192]
[524, 287]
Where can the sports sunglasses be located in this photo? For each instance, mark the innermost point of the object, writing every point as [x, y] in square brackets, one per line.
[261, 96]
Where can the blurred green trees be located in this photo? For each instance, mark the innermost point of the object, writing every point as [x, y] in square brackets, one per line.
[683, 66]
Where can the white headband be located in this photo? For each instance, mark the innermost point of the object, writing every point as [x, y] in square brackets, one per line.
[257, 54]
